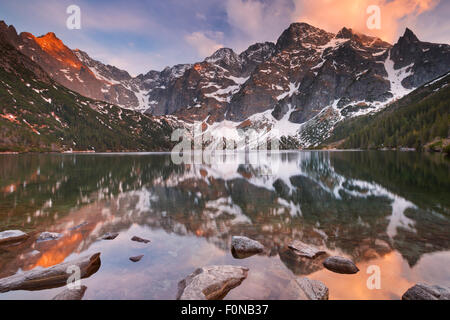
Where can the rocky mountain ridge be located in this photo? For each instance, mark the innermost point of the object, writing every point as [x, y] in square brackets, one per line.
[309, 78]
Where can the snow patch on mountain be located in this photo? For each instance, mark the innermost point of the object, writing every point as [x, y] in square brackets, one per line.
[396, 77]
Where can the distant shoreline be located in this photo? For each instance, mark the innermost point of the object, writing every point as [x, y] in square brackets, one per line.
[169, 152]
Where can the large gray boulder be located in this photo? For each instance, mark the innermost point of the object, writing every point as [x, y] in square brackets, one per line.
[243, 247]
[340, 265]
[211, 283]
[425, 292]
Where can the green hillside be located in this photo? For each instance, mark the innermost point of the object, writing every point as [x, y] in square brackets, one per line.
[37, 114]
[419, 120]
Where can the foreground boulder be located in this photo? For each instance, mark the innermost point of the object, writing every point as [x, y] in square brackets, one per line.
[71, 294]
[211, 283]
[340, 265]
[243, 247]
[305, 289]
[12, 236]
[425, 292]
[304, 250]
[53, 277]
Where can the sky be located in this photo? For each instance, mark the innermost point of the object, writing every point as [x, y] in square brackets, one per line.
[143, 35]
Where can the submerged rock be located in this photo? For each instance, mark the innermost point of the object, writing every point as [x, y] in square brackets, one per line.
[12, 236]
[304, 250]
[340, 265]
[138, 239]
[425, 292]
[211, 283]
[243, 247]
[305, 289]
[137, 258]
[71, 294]
[46, 236]
[301, 266]
[110, 236]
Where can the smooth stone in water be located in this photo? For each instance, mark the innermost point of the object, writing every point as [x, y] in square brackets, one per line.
[340, 265]
[12, 236]
[138, 239]
[304, 250]
[243, 247]
[46, 236]
[137, 258]
[425, 292]
[110, 236]
[71, 294]
[211, 283]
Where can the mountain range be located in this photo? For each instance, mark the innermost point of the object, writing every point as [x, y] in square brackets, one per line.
[302, 89]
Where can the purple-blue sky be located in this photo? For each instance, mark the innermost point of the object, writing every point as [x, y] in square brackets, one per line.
[140, 35]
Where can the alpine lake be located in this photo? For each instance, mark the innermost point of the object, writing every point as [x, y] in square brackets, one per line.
[379, 208]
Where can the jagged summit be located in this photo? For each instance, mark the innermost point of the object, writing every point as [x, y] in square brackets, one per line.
[301, 26]
[225, 55]
[49, 35]
[361, 39]
[346, 33]
[409, 36]
[299, 33]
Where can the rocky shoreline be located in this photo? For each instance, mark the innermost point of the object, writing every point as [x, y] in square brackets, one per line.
[205, 283]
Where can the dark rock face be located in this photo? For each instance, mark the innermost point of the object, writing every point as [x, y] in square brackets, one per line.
[340, 265]
[211, 283]
[425, 292]
[427, 60]
[206, 88]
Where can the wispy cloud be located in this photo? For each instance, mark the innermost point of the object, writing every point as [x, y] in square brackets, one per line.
[257, 21]
[139, 35]
[205, 43]
[332, 15]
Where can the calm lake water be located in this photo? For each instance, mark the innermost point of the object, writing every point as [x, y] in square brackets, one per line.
[387, 209]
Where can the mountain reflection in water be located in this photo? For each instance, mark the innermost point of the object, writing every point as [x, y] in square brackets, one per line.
[378, 208]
